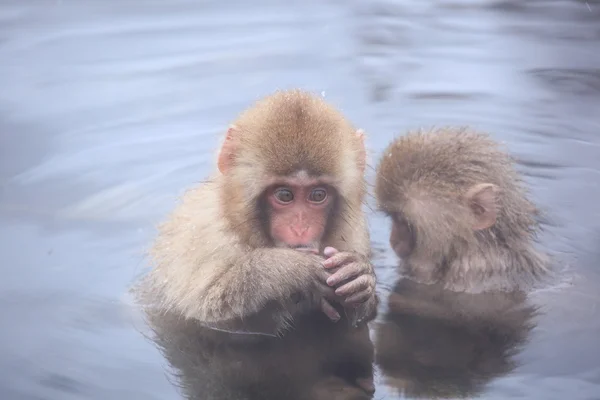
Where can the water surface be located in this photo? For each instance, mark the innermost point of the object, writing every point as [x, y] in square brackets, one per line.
[109, 110]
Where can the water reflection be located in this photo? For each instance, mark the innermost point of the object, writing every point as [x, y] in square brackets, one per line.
[437, 343]
[311, 362]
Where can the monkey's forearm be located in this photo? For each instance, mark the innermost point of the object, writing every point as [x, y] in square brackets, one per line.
[268, 321]
[257, 292]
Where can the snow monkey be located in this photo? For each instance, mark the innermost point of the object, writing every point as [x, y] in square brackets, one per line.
[273, 252]
[460, 213]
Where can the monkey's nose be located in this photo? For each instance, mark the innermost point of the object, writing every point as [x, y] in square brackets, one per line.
[299, 230]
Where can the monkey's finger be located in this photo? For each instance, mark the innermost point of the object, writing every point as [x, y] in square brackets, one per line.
[357, 285]
[346, 272]
[338, 259]
[329, 310]
[329, 251]
[360, 297]
[322, 275]
[326, 292]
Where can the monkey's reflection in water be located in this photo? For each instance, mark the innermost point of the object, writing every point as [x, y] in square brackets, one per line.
[438, 343]
[210, 364]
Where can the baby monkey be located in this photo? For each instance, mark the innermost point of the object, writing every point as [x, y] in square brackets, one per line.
[460, 213]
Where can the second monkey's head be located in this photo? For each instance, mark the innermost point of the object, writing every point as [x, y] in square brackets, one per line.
[457, 205]
[292, 174]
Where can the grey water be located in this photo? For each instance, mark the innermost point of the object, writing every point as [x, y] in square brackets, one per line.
[110, 109]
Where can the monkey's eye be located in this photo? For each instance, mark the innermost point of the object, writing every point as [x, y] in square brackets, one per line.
[284, 195]
[317, 195]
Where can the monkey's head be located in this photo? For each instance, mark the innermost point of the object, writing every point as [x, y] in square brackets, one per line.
[292, 170]
[448, 192]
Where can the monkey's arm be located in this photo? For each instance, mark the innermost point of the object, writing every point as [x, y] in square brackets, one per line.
[256, 291]
[263, 291]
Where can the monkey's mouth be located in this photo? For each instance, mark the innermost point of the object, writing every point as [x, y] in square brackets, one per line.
[307, 249]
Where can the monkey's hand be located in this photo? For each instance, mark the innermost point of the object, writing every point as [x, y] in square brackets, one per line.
[320, 295]
[354, 278]
[354, 281]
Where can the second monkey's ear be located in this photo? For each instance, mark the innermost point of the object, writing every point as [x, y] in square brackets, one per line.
[362, 155]
[482, 201]
[228, 149]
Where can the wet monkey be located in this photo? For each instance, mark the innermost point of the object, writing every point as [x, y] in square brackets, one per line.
[275, 243]
[460, 213]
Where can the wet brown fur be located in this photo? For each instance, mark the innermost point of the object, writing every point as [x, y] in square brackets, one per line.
[424, 176]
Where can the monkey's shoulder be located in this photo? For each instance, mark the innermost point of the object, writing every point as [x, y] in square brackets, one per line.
[197, 217]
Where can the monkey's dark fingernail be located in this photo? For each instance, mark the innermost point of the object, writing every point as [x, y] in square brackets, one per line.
[333, 315]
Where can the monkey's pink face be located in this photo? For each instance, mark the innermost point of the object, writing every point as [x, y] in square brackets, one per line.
[299, 210]
[402, 239]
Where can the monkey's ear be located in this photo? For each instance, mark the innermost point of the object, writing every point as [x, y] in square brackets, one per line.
[228, 149]
[481, 199]
[362, 155]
